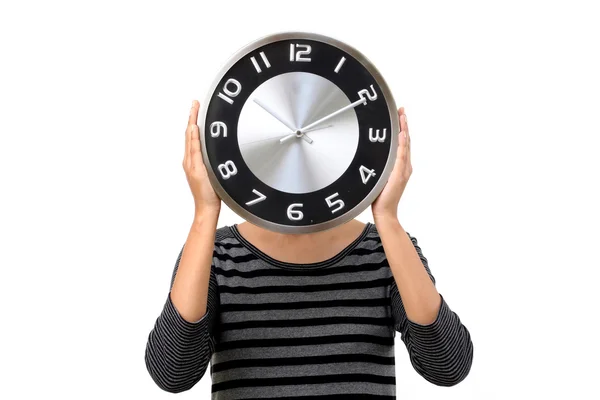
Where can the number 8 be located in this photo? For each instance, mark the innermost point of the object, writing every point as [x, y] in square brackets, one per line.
[227, 169]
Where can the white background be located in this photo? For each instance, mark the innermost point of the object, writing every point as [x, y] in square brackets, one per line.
[502, 100]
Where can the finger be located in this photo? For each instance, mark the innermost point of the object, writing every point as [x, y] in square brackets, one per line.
[193, 119]
[408, 141]
[402, 147]
[186, 154]
[409, 151]
[405, 138]
[400, 111]
[195, 155]
[402, 118]
[404, 124]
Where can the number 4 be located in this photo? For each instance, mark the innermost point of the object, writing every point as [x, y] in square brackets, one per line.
[366, 173]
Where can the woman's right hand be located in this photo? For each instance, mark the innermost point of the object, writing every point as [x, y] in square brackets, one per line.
[205, 198]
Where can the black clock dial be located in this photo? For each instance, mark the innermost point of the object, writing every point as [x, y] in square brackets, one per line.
[298, 132]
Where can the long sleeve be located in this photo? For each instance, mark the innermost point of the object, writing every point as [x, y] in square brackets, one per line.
[441, 352]
[178, 351]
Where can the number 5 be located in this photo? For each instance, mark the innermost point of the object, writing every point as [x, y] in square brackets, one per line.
[338, 202]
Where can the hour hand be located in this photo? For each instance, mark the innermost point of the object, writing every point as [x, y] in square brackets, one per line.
[274, 114]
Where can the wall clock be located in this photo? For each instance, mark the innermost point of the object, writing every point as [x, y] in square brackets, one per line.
[299, 132]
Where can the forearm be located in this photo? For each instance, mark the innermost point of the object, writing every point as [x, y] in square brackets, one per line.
[189, 292]
[420, 297]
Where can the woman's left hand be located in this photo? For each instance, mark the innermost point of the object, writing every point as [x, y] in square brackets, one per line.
[386, 204]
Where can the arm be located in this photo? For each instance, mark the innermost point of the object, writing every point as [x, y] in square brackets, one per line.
[439, 345]
[182, 341]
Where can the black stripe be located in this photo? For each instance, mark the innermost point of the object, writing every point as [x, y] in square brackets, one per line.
[315, 360]
[228, 246]
[361, 251]
[344, 269]
[355, 396]
[235, 259]
[304, 341]
[303, 380]
[294, 323]
[306, 288]
[299, 305]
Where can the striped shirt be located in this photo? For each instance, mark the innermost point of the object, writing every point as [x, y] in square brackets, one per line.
[303, 331]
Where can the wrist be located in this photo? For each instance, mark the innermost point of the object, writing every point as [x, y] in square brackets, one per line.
[206, 215]
[386, 220]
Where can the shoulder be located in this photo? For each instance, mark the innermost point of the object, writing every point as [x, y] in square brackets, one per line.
[224, 234]
[225, 240]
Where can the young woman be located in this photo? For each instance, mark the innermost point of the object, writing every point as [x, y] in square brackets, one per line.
[302, 316]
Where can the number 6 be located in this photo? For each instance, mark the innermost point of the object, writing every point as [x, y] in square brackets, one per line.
[295, 215]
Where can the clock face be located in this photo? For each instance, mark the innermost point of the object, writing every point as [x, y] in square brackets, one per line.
[298, 133]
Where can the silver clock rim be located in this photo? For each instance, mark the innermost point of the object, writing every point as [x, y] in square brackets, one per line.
[365, 202]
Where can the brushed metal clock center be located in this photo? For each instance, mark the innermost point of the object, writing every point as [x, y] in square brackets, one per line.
[274, 144]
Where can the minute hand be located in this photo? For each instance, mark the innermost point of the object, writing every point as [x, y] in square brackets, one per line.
[341, 110]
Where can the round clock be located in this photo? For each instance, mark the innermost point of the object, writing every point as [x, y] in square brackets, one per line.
[299, 132]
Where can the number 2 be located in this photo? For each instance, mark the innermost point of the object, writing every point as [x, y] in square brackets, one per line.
[370, 96]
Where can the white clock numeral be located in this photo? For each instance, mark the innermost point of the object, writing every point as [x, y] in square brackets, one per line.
[261, 197]
[366, 173]
[370, 96]
[265, 60]
[218, 127]
[227, 169]
[298, 55]
[230, 93]
[339, 66]
[295, 215]
[337, 202]
[376, 137]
